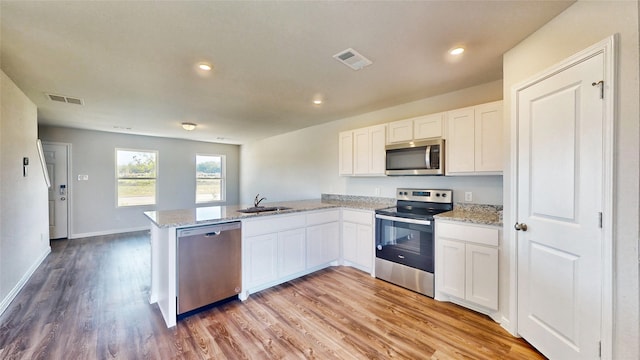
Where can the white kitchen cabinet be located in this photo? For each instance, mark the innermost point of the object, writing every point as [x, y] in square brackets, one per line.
[323, 238]
[428, 126]
[418, 128]
[362, 152]
[279, 248]
[292, 252]
[345, 150]
[358, 239]
[467, 265]
[323, 244]
[261, 260]
[474, 140]
[400, 131]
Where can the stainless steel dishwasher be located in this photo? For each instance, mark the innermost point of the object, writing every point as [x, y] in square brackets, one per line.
[209, 265]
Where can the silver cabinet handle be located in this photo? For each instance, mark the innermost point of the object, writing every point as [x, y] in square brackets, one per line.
[520, 226]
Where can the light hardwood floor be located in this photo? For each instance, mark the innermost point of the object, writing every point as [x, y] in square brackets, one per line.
[89, 300]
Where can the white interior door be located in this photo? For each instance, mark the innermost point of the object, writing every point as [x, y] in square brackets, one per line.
[560, 194]
[56, 157]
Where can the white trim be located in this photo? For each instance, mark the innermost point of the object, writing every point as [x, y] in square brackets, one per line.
[4, 304]
[608, 48]
[108, 232]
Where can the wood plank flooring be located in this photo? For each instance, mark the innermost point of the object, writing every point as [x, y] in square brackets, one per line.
[89, 300]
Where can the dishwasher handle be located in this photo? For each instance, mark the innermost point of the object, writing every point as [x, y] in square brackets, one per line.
[209, 230]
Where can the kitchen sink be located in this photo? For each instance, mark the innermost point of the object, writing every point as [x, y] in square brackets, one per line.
[259, 209]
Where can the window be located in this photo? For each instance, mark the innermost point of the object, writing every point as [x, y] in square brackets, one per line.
[209, 178]
[136, 171]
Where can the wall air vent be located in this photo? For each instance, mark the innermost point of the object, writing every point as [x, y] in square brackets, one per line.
[352, 59]
[65, 99]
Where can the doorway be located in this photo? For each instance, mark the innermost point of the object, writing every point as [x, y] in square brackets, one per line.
[562, 140]
[57, 159]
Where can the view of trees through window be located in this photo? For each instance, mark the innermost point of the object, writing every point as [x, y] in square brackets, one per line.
[136, 172]
[209, 178]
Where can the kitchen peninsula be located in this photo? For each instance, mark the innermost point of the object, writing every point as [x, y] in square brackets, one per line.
[277, 246]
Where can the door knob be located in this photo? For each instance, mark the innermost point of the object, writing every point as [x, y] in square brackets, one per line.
[63, 198]
[519, 227]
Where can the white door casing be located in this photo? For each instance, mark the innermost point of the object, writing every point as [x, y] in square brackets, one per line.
[57, 160]
[563, 175]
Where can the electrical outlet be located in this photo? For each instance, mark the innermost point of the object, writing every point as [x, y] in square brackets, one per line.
[468, 196]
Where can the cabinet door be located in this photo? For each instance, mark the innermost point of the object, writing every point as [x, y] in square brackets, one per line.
[482, 275]
[365, 241]
[460, 155]
[400, 131]
[261, 259]
[488, 137]
[345, 151]
[323, 243]
[349, 241]
[377, 153]
[292, 252]
[428, 126]
[452, 267]
[361, 152]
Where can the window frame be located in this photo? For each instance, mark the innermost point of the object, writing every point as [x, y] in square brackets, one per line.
[223, 179]
[117, 177]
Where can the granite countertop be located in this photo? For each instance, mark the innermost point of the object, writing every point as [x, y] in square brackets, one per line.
[217, 214]
[474, 214]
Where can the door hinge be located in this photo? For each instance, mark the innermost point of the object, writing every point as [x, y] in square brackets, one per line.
[600, 220]
[601, 84]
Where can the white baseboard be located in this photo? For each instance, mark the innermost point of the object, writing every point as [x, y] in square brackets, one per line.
[107, 232]
[16, 289]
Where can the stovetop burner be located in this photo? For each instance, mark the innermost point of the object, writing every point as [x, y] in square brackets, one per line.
[420, 204]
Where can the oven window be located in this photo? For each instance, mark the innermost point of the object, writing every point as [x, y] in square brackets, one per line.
[406, 238]
[404, 243]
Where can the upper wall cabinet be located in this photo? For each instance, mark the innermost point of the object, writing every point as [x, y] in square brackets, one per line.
[421, 127]
[361, 151]
[475, 140]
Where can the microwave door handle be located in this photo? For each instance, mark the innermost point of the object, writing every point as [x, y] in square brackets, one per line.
[427, 156]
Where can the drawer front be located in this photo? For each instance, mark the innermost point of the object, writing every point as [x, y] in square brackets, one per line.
[272, 223]
[359, 217]
[489, 236]
[323, 217]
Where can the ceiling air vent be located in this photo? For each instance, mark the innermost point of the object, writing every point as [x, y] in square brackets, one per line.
[352, 59]
[65, 99]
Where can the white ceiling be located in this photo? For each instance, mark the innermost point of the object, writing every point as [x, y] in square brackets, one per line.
[133, 62]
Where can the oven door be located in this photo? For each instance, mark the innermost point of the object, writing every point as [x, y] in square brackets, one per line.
[405, 241]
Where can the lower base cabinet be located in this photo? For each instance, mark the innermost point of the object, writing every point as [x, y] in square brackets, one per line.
[358, 239]
[467, 265]
[279, 248]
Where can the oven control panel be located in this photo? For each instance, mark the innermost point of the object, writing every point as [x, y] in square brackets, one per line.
[425, 195]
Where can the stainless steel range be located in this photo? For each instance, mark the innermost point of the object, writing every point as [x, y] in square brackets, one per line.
[404, 238]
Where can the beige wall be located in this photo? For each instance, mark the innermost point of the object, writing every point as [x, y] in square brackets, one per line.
[24, 225]
[580, 26]
[93, 202]
[304, 163]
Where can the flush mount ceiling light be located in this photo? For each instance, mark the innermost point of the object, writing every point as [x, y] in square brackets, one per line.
[456, 51]
[317, 102]
[188, 126]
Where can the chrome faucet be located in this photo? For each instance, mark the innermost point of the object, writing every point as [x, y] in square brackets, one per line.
[256, 201]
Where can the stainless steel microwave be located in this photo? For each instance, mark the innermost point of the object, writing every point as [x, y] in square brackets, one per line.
[423, 157]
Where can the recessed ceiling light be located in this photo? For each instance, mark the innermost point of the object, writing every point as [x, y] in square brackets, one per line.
[456, 51]
[188, 126]
[317, 101]
[205, 66]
